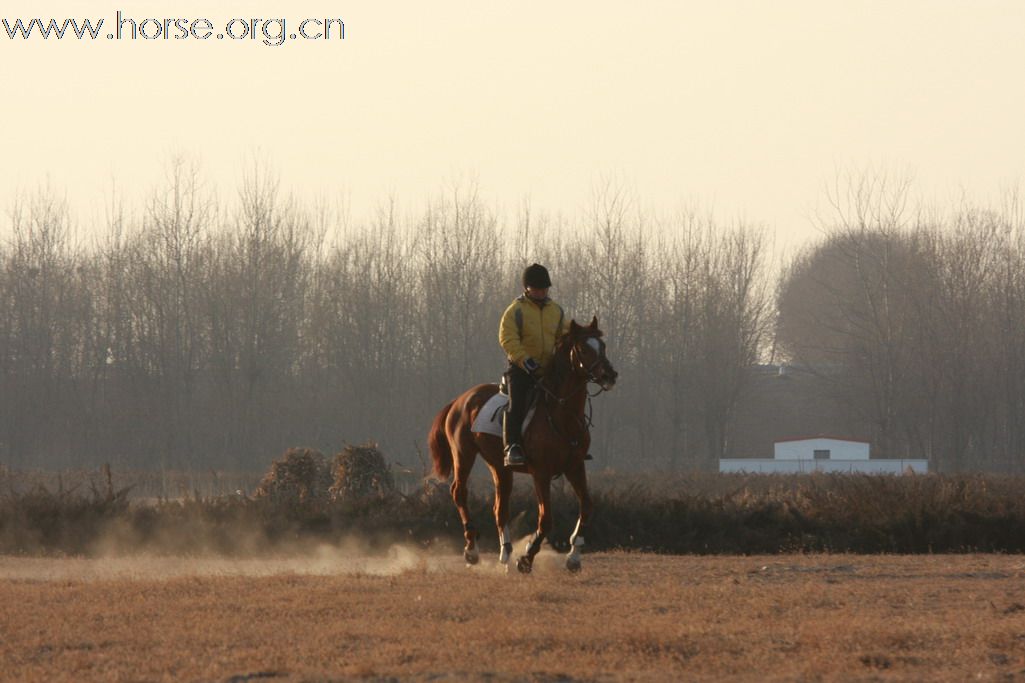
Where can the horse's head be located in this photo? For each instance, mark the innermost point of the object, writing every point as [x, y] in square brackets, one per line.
[587, 354]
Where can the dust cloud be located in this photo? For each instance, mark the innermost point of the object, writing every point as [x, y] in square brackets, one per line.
[352, 556]
[348, 558]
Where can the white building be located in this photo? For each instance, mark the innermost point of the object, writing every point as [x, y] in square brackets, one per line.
[822, 454]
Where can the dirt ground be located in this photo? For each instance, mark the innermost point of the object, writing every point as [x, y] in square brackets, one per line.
[407, 615]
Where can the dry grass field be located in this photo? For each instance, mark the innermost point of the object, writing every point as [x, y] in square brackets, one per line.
[413, 616]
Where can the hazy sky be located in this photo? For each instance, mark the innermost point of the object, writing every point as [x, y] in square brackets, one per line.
[749, 107]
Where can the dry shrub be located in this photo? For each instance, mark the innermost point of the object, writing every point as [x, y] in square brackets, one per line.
[37, 519]
[361, 472]
[300, 477]
[687, 514]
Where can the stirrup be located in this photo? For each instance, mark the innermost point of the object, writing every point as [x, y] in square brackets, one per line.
[514, 456]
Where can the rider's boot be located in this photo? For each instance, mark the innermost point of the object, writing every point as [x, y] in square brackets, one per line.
[514, 456]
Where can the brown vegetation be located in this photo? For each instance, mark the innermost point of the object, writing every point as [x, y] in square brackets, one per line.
[626, 617]
[359, 472]
[300, 476]
[684, 514]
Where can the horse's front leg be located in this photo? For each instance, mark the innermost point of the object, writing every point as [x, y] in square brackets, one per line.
[577, 478]
[543, 491]
[503, 492]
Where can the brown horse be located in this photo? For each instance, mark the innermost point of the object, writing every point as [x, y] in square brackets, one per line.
[555, 441]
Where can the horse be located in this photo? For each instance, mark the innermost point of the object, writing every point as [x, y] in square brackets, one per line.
[556, 442]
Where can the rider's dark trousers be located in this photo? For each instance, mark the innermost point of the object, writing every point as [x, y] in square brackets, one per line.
[520, 384]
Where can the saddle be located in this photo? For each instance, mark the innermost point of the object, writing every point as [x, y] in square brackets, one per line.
[489, 419]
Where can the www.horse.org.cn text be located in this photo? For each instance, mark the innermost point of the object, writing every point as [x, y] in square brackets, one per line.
[271, 32]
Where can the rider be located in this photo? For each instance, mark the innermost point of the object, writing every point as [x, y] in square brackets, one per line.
[529, 329]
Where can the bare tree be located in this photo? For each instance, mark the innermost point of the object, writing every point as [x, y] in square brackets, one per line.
[167, 273]
[40, 328]
[459, 305]
[254, 312]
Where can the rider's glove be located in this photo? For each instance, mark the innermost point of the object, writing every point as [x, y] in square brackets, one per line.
[531, 366]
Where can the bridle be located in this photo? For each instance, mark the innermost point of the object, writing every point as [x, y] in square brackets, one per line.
[589, 369]
[575, 360]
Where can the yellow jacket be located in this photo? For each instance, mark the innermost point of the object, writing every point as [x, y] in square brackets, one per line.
[529, 329]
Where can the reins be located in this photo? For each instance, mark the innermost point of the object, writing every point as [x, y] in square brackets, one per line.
[585, 420]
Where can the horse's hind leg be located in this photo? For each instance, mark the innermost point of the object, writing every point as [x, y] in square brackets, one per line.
[463, 464]
[503, 492]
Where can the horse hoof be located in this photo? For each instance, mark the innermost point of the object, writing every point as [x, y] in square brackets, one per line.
[573, 564]
[524, 565]
[471, 557]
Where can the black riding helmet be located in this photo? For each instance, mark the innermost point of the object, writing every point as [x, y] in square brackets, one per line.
[536, 276]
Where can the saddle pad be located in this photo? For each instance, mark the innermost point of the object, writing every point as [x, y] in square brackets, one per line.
[489, 419]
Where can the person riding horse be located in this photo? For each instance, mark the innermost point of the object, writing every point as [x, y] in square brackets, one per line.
[559, 437]
[529, 329]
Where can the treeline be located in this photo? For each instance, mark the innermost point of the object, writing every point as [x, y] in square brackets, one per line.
[914, 323]
[195, 333]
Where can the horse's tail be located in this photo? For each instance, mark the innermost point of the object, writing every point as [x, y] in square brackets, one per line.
[437, 441]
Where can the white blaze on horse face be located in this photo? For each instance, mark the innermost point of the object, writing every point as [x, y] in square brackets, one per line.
[594, 344]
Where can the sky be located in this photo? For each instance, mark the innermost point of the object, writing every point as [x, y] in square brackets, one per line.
[749, 109]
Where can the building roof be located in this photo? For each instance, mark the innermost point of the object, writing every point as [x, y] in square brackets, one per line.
[821, 436]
